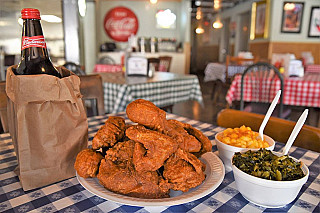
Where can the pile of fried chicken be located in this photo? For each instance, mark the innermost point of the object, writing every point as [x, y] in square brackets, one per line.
[148, 159]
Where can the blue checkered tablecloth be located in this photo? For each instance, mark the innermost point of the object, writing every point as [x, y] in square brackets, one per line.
[70, 196]
[162, 93]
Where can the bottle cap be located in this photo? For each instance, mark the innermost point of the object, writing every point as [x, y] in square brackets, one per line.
[30, 13]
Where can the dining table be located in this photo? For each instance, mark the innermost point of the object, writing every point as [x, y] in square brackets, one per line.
[71, 195]
[298, 91]
[217, 71]
[163, 89]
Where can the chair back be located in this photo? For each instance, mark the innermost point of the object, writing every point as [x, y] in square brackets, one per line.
[91, 87]
[165, 62]
[155, 62]
[3, 107]
[262, 78]
[277, 128]
[75, 68]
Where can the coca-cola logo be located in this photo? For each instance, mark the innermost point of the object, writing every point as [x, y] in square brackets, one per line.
[120, 23]
[34, 41]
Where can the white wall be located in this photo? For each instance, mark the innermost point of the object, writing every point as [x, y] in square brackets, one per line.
[235, 16]
[90, 37]
[274, 24]
[145, 12]
[276, 17]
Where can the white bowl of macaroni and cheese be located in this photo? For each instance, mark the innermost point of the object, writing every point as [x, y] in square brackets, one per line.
[240, 139]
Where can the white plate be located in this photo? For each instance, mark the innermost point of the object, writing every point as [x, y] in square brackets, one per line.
[214, 176]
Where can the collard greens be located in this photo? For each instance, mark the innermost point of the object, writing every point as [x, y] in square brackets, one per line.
[264, 164]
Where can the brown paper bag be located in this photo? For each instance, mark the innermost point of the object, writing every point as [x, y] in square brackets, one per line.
[48, 126]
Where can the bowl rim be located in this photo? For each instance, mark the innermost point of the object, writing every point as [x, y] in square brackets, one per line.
[245, 148]
[272, 183]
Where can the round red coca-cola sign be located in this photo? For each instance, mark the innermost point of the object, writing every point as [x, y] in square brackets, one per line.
[120, 23]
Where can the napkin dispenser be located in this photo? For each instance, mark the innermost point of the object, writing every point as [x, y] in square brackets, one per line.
[295, 68]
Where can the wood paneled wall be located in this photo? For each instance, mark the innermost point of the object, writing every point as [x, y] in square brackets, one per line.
[265, 49]
[296, 49]
[260, 50]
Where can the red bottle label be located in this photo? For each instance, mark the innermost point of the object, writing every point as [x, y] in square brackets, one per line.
[35, 41]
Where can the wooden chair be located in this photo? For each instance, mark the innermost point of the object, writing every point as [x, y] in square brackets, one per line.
[155, 62]
[277, 128]
[262, 72]
[3, 107]
[165, 62]
[91, 87]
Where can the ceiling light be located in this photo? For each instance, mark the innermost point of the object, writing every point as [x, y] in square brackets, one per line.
[199, 30]
[47, 18]
[199, 13]
[51, 18]
[217, 24]
[217, 4]
[197, 3]
[153, 1]
[289, 6]
[4, 23]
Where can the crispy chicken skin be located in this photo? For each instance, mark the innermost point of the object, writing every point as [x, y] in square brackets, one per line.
[188, 142]
[87, 163]
[189, 139]
[110, 133]
[124, 179]
[184, 171]
[148, 159]
[152, 150]
[121, 152]
[206, 145]
[147, 114]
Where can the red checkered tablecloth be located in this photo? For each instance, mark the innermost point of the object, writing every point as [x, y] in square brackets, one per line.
[304, 91]
[107, 68]
[312, 68]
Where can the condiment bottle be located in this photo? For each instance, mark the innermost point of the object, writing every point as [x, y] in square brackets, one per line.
[34, 54]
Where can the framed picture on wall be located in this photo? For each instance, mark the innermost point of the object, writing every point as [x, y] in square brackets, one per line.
[292, 17]
[314, 24]
[260, 19]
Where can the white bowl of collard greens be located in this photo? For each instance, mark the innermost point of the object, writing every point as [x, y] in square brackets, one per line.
[268, 179]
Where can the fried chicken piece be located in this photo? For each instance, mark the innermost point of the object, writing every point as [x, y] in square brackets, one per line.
[124, 179]
[152, 150]
[188, 142]
[184, 171]
[110, 133]
[87, 163]
[147, 114]
[121, 152]
[206, 145]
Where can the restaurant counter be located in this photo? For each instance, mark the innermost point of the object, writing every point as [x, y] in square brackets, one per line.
[178, 63]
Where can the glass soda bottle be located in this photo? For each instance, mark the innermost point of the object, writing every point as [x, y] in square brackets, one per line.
[34, 54]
